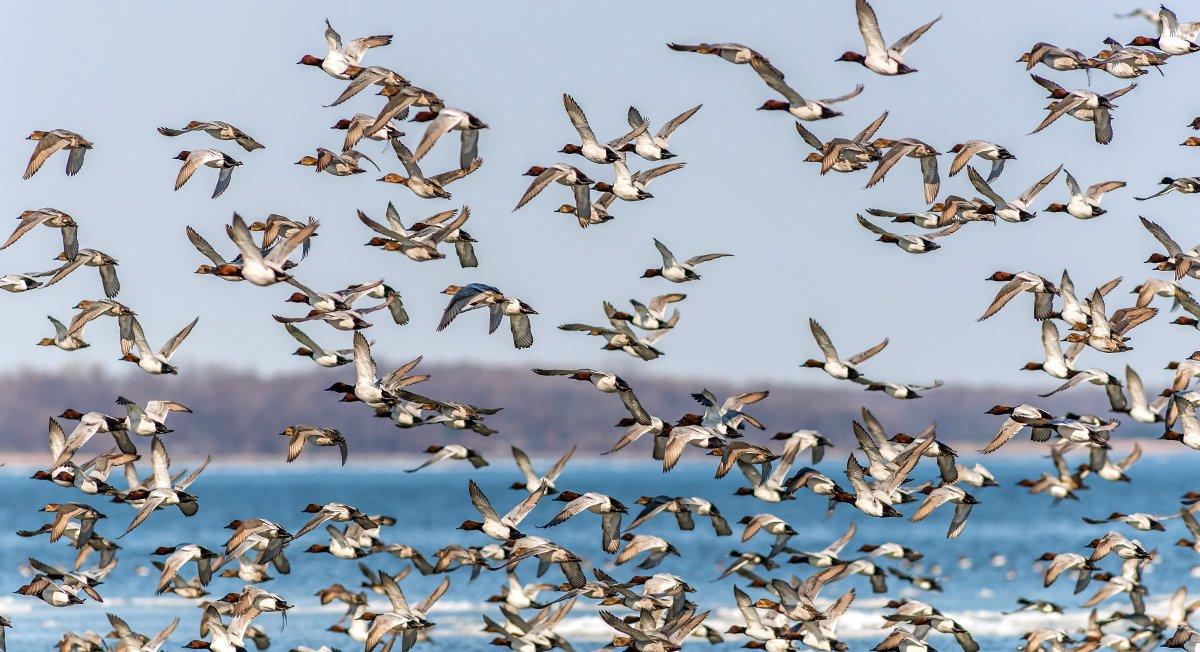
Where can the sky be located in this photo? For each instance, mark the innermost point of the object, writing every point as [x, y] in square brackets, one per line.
[113, 74]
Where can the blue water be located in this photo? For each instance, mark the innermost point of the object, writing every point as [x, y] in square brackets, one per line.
[430, 504]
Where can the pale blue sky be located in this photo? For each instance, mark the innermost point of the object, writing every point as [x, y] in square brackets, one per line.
[115, 72]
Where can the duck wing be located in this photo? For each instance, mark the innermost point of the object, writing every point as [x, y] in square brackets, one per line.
[890, 159]
[773, 77]
[669, 128]
[1033, 191]
[442, 124]
[46, 146]
[868, 26]
[579, 120]
[905, 42]
[204, 247]
[445, 178]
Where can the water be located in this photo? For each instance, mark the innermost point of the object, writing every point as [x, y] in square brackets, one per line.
[430, 504]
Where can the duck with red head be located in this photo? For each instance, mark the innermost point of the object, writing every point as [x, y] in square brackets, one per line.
[341, 61]
[881, 58]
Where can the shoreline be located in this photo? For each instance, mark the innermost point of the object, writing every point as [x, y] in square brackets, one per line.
[1157, 448]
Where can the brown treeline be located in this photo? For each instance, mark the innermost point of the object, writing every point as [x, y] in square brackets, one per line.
[241, 413]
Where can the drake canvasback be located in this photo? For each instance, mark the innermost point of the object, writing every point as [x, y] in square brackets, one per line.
[1183, 185]
[592, 149]
[192, 160]
[654, 147]
[913, 244]
[1085, 205]
[1015, 210]
[880, 57]
[800, 108]
[444, 121]
[341, 61]
[985, 150]
[677, 271]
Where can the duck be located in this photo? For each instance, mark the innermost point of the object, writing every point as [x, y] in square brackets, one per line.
[608, 383]
[1016, 210]
[1173, 38]
[420, 245]
[192, 160]
[798, 441]
[881, 58]
[1055, 58]
[1058, 364]
[903, 391]
[179, 556]
[843, 154]
[163, 490]
[259, 268]
[796, 105]
[676, 271]
[401, 97]
[609, 509]
[55, 595]
[216, 129]
[1014, 284]
[445, 120]
[91, 310]
[497, 527]
[562, 174]
[767, 485]
[146, 358]
[49, 142]
[1109, 335]
[876, 501]
[947, 494]
[684, 509]
[827, 556]
[341, 61]
[833, 364]
[450, 452]
[731, 52]
[370, 76]
[532, 481]
[651, 317]
[357, 126]
[913, 244]
[422, 186]
[336, 512]
[339, 165]
[1018, 417]
[17, 283]
[301, 435]
[52, 218]
[636, 544]
[152, 419]
[1085, 205]
[654, 147]
[310, 349]
[1084, 105]
[1184, 185]
[61, 339]
[632, 187]
[591, 149]
[330, 301]
[339, 546]
[985, 150]
[912, 148]
[106, 264]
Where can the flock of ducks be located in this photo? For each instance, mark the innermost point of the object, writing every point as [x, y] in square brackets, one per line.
[650, 611]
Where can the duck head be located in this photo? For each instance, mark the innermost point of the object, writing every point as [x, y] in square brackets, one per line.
[775, 105]
[182, 156]
[852, 56]
[310, 60]
[392, 177]
[571, 148]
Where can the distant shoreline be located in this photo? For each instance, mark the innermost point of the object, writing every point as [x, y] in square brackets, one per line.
[1028, 449]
